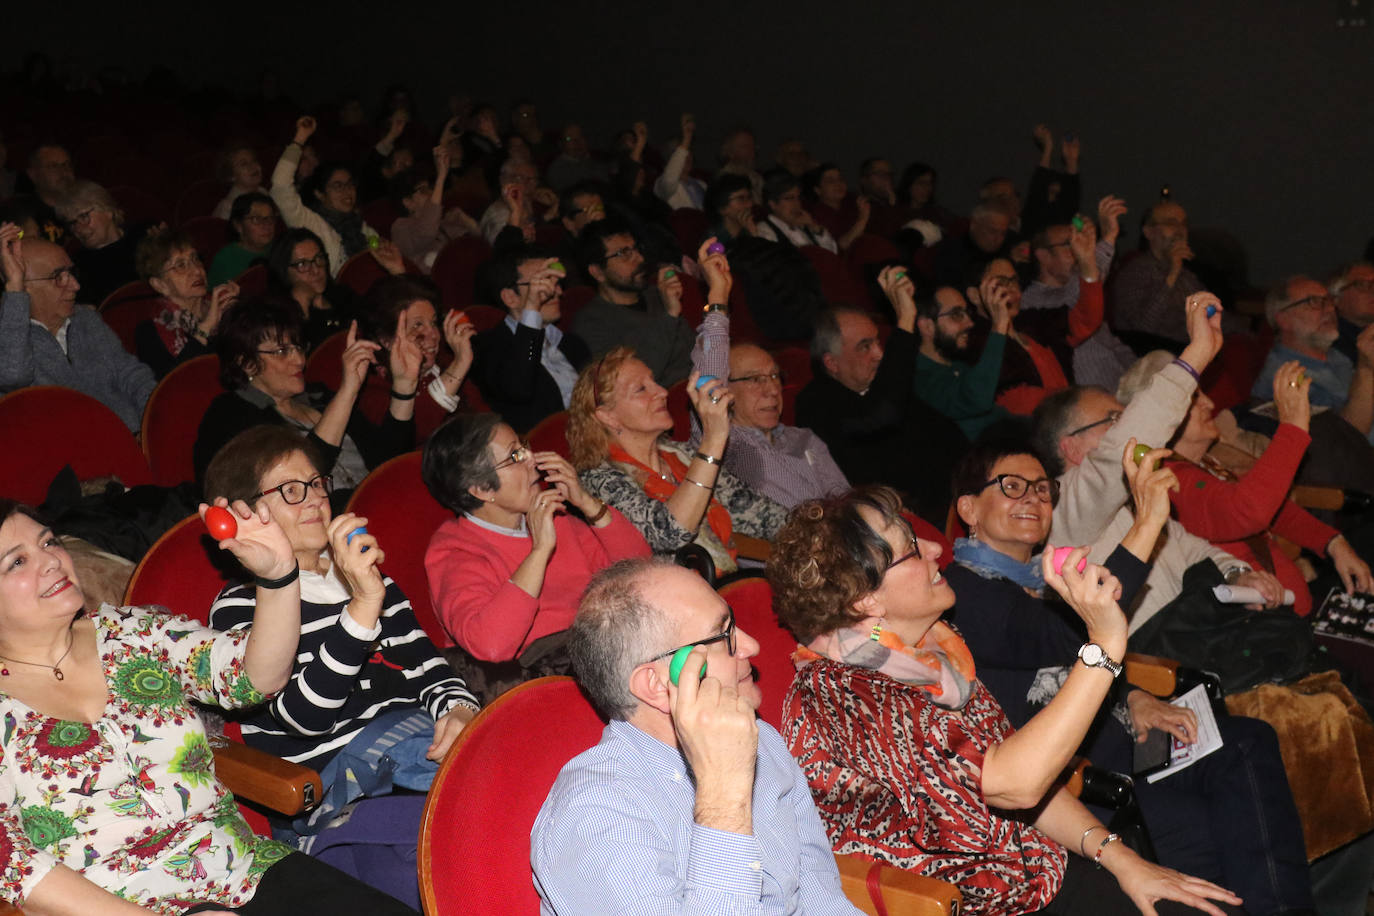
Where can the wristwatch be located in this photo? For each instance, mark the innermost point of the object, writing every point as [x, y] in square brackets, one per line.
[1094, 656]
[710, 307]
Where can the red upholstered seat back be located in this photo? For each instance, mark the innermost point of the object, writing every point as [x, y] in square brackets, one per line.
[172, 418]
[209, 234]
[47, 427]
[324, 366]
[183, 571]
[551, 435]
[402, 516]
[455, 270]
[752, 601]
[475, 838]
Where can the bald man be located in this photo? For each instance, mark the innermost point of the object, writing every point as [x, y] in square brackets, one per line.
[785, 463]
[47, 339]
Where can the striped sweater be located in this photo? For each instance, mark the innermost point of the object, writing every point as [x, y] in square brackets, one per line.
[344, 675]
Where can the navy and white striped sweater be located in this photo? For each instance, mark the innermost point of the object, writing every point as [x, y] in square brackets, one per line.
[344, 675]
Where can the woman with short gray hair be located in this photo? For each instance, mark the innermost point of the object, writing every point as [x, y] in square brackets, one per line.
[105, 260]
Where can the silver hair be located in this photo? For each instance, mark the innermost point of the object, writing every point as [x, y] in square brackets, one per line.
[85, 195]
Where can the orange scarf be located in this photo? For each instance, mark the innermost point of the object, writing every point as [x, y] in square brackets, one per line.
[940, 664]
[717, 517]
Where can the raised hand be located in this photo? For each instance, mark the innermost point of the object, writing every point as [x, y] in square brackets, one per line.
[719, 280]
[396, 124]
[1069, 149]
[1044, 142]
[718, 734]
[897, 286]
[221, 297]
[358, 560]
[358, 355]
[712, 402]
[1109, 212]
[1204, 333]
[259, 544]
[458, 334]
[390, 257]
[1083, 244]
[405, 357]
[305, 128]
[688, 125]
[12, 257]
[442, 158]
[1092, 594]
[558, 472]
[670, 288]
[1292, 388]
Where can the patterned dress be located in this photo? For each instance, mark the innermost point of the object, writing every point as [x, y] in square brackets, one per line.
[131, 801]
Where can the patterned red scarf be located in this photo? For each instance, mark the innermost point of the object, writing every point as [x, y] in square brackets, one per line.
[940, 664]
[717, 516]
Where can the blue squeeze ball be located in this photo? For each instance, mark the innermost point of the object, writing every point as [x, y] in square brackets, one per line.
[1211, 310]
[704, 381]
[355, 532]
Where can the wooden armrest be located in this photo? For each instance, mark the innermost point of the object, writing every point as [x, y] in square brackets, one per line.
[1073, 775]
[1154, 673]
[753, 548]
[284, 787]
[904, 892]
[1331, 498]
[8, 909]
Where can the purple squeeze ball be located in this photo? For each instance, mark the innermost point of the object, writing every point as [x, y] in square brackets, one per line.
[715, 248]
[1060, 555]
[704, 381]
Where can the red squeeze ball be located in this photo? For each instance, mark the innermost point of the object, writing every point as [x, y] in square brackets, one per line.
[1060, 555]
[221, 523]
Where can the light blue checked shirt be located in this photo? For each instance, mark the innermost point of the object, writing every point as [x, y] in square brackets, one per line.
[617, 835]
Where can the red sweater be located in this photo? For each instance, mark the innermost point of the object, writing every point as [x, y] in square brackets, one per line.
[1228, 512]
[469, 570]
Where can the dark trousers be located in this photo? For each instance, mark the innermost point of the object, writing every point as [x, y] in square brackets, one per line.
[301, 886]
[1229, 818]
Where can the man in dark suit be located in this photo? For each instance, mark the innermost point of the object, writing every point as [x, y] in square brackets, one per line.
[526, 366]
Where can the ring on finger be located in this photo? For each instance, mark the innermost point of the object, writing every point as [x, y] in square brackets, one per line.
[715, 399]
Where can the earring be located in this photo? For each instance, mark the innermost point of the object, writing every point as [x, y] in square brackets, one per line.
[972, 533]
[877, 630]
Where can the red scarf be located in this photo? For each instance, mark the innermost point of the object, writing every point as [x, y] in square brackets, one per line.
[717, 517]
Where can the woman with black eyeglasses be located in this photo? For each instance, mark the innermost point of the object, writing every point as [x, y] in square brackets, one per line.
[507, 572]
[262, 368]
[299, 272]
[366, 680]
[1229, 818]
[910, 759]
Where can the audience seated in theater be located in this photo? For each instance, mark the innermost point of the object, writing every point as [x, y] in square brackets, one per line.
[332, 195]
[730, 206]
[788, 221]
[425, 229]
[1231, 819]
[876, 185]
[522, 205]
[916, 203]
[737, 154]
[387, 159]
[580, 204]
[627, 311]
[794, 158]
[1304, 314]
[1353, 286]
[366, 682]
[482, 144]
[20, 211]
[409, 306]
[507, 571]
[945, 379]
[988, 237]
[238, 164]
[262, 366]
[700, 805]
[831, 205]
[677, 187]
[1040, 342]
[524, 123]
[51, 175]
[675, 496]
[1079, 432]
[1242, 513]
[910, 759]
[105, 259]
[1101, 358]
[254, 218]
[167, 260]
[300, 274]
[1054, 194]
[574, 162]
[81, 825]
[1148, 290]
[47, 339]
[863, 404]
[526, 365]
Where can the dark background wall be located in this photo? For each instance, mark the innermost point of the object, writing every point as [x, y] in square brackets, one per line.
[1256, 113]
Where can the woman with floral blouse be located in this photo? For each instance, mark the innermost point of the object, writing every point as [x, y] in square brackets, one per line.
[108, 798]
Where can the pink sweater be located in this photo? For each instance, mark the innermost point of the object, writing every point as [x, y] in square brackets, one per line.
[469, 570]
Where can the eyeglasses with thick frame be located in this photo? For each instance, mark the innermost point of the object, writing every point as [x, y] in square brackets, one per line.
[958, 313]
[624, 252]
[282, 352]
[761, 378]
[1322, 303]
[913, 554]
[319, 260]
[1111, 417]
[62, 274]
[1014, 486]
[293, 492]
[728, 635]
[518, 455]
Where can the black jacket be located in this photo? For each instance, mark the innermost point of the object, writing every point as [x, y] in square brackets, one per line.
[512, 378]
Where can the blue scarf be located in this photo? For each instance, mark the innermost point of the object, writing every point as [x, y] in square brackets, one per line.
[993, 564]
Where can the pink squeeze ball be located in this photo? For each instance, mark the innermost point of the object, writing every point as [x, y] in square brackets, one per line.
[1060, 555]
[715, 248]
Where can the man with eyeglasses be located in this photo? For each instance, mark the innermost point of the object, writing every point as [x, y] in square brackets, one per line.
[1080, 434]
[688, 803]
[1353, 286]
[1103, 357]
[1145, 300]
[627, 310]
[945, 379]
[1304, 314]
[46, 339]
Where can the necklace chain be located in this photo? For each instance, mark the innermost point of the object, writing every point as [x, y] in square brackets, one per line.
[56, 670]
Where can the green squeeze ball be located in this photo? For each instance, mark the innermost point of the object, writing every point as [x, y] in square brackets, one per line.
[1140, 451]
[680, 659]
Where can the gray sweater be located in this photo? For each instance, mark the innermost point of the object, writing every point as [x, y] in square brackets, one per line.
[95, 363]
[661, 341]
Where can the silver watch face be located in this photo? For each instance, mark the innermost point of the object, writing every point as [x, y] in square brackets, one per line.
[1091, 654]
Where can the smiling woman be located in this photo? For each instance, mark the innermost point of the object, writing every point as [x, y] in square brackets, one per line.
[168, 261]
[106, 256]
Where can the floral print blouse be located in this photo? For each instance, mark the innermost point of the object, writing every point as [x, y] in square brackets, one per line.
[132, 801]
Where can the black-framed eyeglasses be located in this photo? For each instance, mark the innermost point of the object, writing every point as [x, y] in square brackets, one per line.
[319, 260]
[1322, 303]
[622, 252]
[728, 635]
[960, 313]
[57, 276]
[762, 378]
[1111, 417]
[590, 209]
[294, 492]
[282, 352]
[1014, 486]
[519, 454]
[913, 554]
